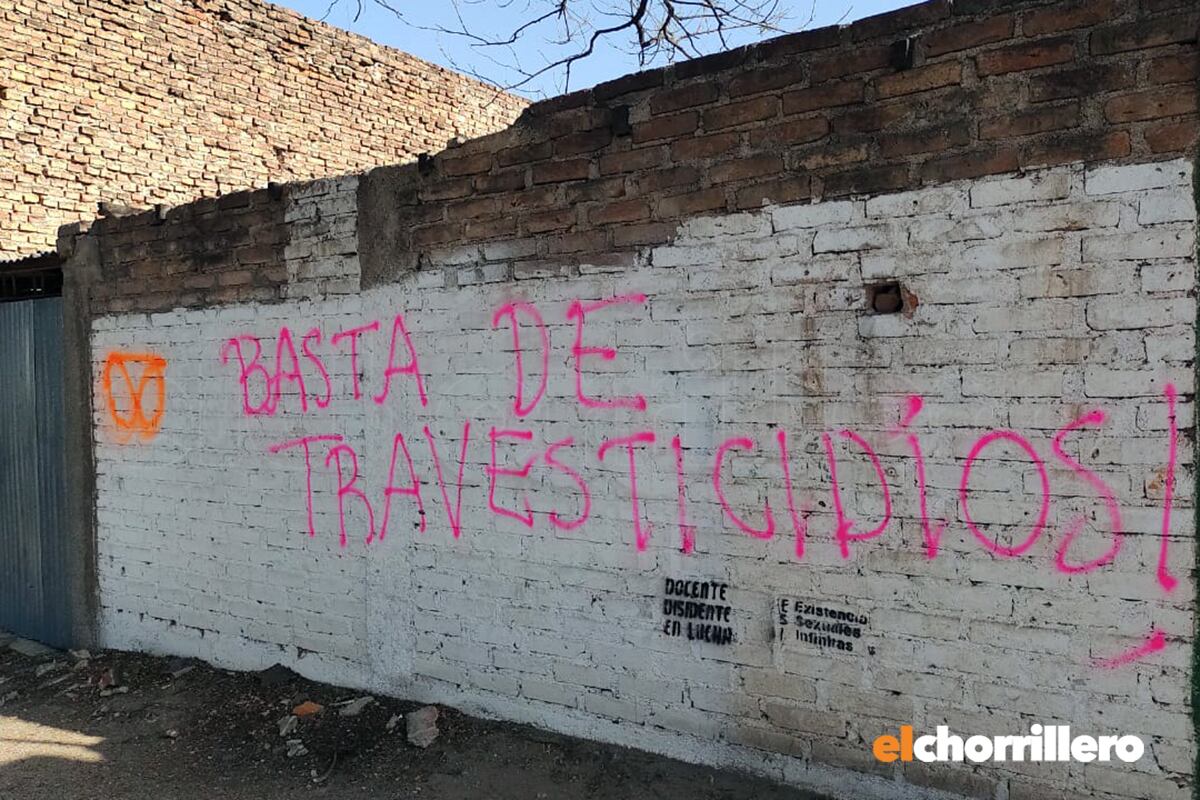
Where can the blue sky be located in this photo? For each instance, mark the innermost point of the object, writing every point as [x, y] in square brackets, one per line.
[497, 18]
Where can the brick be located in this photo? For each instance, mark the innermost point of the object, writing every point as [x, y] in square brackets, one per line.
[670, 127]
[894, 23]
[583, 142]
[970, 165]
[766, 79]
[703, 146]
[742, 169]
[969, 34]
[740, 113]
[827, 95]
[795, 131]
[1026, 123]
[438, 234]
[866, 181]
[546, 221]
[467, 165]
[857, 60]
[508, 180]
[1080, 82]
[823, 156]
[1089, 146]
[873, 118]
[802, 42]
[1153, 104]
[590, 241]
[623, 211]
[490, 228]
[1177, 137]
[632, 160]
[782, 190]
[921, 79]
[1145, 34]
[1067, 16]
[1042, 53]
[576, 169]
[596, 189]
[649, 233]
[1032, 189]
[669, 178]
[929, 140]
[707, 65]
[524, 154]
[637, 82]
[688, 96]
[1181, 68]
[691, 203]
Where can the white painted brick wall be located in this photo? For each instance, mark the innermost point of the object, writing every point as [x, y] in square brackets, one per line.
[1037, 299]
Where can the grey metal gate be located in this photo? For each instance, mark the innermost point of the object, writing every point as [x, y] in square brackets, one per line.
[33, 557]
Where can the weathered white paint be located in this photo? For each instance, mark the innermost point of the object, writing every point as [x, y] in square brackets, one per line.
[1039, 298]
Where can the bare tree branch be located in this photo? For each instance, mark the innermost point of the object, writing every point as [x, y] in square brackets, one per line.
[565, 32]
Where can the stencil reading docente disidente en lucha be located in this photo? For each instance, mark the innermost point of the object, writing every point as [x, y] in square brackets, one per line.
[301, 376]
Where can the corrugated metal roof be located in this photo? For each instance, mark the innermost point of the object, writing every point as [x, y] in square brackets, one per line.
[34, 261]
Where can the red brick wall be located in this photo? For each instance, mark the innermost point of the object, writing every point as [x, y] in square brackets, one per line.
[168, 100]
[993, 86]
[591, 177]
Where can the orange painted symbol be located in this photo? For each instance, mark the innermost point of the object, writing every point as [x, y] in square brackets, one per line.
[126, 407]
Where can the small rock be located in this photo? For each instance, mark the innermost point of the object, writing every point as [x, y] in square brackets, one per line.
[49, 666]
[393, 722]
[355, 707]
[55, 681]
[28, 647]
[114, 690]
[178, 667]
[108, 679]
[170, 733]
[307, 709]
[296, 748]
[422, 726]
[80, 655]
[288, 725]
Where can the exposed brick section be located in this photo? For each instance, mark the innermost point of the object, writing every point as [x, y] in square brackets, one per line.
[1026, 56]
[136, 104]
[995, 88]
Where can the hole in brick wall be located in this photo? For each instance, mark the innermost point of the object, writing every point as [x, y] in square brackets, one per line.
[885, 298]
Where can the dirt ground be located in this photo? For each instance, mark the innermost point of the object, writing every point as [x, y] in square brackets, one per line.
[113, 726]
